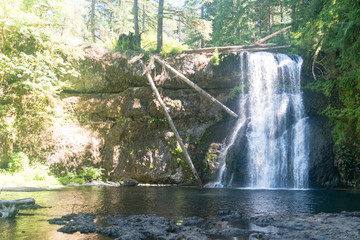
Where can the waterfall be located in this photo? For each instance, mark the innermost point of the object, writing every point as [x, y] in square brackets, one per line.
[272, 128]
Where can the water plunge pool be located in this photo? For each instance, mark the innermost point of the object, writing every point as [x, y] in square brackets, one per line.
[170, 202]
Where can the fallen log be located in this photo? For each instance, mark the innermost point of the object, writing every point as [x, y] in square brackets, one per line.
[18, 202]
[196, 87]
[10, 208]
[257, 46]
[172, 125]
[227, 48]
[263, 49]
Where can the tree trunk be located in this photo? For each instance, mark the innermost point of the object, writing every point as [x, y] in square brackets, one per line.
[143, 18]
[271, 19]
[202, 43]
[260, 28]
[92, 20]
[281, 12]
[179, 27]
[160, 26]
[293, 10]
[136, 24]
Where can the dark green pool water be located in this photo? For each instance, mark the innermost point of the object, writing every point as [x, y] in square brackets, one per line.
[164, 201]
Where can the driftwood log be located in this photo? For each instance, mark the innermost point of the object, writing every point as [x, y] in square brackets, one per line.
[18, 202]
[9, 208]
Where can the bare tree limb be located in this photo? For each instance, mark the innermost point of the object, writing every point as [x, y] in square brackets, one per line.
[171, 123]
[272, 35]
[196, 87]
[318, 49]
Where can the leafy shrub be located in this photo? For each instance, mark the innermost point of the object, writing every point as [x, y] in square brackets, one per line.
[234, 92]
[126, 42]
[215, 59]
[32, 64]
[85, 174]
[18, 162]
[171, 46]
[156, 120]
[177, 151]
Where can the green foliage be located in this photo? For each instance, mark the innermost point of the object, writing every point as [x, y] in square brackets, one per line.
[211, 158]
[20, 172]
[18, 162]
[91, 173]
[327, 33]
[171, 46]
[243, 22]
[179, 160]
[235, 91]
[215, 59]
[85, 174]
[199, 24]
[127, 43]
[177, 152]
[348, 159]
[156, 120]
[120, 121]
[82, 118]
[32, 62]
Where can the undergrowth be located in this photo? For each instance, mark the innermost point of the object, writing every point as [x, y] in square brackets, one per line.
[20, 171]
[85, 174]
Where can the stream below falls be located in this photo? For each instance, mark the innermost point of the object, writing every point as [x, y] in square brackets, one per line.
[170, 202]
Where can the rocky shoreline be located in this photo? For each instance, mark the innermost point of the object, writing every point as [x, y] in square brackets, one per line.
[227, 224]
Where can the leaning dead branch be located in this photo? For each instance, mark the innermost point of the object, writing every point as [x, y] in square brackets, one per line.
[196, 87]
[172, 125]
[272, 35]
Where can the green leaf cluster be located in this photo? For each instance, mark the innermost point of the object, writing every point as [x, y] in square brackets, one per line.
[85, 174]
[238, 22]
[32, 62]
[171, 46]
[18, 162]
[327, 33]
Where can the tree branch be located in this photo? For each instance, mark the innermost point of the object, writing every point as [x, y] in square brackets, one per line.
[272, 35]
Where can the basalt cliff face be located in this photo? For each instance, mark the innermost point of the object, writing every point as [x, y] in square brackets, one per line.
[110, 119]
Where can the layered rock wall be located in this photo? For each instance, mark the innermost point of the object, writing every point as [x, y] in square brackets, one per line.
[129, 133]
[112, 120]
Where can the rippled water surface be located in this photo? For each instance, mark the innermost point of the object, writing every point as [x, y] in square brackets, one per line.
[164, 201]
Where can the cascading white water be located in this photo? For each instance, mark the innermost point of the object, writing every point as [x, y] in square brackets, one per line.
[238, 126]
[272, 122]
